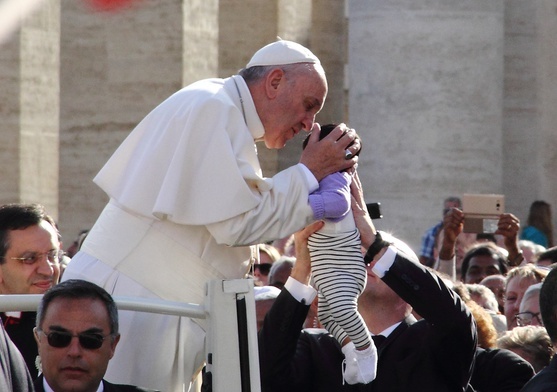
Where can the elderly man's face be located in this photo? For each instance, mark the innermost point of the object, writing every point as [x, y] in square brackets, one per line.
[74, 367]
[20, 277]
[297, 99]
[529, 309]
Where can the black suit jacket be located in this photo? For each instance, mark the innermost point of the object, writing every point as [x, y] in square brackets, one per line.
[108, 387]
[14, 375]
[21, 333]
[500, 370]
[545, 380]
[433, 354]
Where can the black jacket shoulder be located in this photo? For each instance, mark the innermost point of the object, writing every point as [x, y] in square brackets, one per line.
[500, 370]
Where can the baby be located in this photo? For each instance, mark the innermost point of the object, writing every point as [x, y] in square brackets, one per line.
[339, 273]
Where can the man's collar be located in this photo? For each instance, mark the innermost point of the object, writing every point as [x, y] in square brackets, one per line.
[252, 119]
[387, 331]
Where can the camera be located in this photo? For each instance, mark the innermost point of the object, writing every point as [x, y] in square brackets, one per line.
[481, 212]
[374, 210]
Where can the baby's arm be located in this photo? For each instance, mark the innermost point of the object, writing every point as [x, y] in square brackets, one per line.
[332, 199]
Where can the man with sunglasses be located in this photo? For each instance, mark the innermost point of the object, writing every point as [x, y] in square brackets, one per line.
[77, 334]
[29, 264]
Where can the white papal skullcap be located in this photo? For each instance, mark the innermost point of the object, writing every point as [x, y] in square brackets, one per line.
[282, 52]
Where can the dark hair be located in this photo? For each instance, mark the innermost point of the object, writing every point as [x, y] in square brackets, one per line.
[548, 304]
[484, 249]
[79, 289]
[550, 254]
[486, 237]
[539, 217]
[325, 130]
[19, 217]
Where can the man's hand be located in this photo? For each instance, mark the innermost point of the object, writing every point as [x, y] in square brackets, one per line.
[453, 223]
[323, 157]
[509, 226]
[302, 267]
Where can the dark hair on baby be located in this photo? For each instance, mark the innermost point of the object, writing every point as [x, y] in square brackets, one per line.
[325, 130]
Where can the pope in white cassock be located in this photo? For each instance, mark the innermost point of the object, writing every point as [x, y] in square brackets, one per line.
[187, 197]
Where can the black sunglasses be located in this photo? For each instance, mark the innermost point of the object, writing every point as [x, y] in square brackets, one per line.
[263, 268]
[89, 341]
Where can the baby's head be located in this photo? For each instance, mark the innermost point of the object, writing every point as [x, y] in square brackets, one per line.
[325, 130]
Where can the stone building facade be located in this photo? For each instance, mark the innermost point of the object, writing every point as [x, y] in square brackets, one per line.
[449, 97]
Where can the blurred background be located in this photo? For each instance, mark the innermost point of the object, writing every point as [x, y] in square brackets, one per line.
[449, 97]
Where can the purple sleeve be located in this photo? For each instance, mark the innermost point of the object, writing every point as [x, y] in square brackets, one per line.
[332, 199]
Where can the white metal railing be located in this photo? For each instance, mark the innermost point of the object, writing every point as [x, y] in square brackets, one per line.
[232, 365]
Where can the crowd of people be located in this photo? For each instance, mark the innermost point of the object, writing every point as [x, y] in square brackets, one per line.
[340, 305]
[499, 286]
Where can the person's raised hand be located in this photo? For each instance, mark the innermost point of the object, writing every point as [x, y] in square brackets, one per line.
[508, 226]
[453, 223]
[331, 154]
[302, 267]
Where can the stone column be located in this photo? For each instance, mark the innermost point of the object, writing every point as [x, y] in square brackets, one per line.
[117, 67]
[29, 107]
[529, 121]
[321, 25]
[200, 51]
[329, 38]
[10, 109]
[425, 93]
[547, 71]
[240, 37]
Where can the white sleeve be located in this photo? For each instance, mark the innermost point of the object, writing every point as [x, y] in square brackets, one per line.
[282, 210]
[301, 292]
[384, 263]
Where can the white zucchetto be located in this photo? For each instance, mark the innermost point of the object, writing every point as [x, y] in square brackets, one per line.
[282, 52]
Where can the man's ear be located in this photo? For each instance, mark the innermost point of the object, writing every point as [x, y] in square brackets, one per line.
[273, 81]
[113, 345]
[36, 335]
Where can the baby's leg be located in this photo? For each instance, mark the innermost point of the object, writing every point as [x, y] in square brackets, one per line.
[339, 274]
[341, 292]
[328, 321]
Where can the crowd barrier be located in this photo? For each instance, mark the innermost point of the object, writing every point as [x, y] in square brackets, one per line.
[229, 310]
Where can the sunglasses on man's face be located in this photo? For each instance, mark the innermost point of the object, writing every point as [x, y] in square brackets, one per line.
[87, 340]
[263, 268]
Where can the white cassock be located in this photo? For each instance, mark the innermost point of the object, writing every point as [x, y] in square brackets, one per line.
[186, 197]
